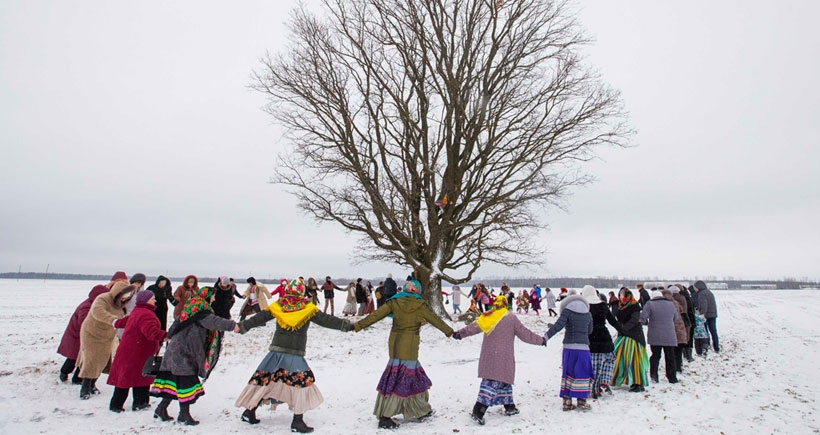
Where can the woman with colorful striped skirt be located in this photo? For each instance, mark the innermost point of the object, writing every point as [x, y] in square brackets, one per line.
[631, 361]
[192, 354]
[577, 373]
[403, 386]
[284, 376]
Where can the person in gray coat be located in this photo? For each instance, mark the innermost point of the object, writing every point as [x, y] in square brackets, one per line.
[192, 353]
[576, 379]
[659, 315]
[707, 307]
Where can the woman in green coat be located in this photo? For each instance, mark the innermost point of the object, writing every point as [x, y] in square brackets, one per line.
[404, 384]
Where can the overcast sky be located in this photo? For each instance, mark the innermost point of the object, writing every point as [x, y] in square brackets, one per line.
[130, 141]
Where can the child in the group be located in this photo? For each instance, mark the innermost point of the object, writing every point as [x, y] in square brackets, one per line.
[701, 334]
[523, 302]
[496, 365]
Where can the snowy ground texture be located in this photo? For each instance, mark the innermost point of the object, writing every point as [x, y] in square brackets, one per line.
[764, 381]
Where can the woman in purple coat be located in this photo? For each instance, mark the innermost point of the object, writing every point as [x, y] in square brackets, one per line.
[496, 365]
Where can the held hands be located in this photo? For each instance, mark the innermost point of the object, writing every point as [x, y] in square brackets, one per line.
[457, 335]
[236, 328]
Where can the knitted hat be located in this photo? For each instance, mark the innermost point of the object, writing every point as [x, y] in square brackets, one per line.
[144, 296]
[590, 295]
[138, 277]
[119, 276]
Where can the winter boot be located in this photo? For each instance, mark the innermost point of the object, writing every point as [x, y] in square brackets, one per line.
[387, 423]
[162, 411]
[298, 425]
[510, 409]
[567, 406]
[583, 405]
[687, 353]
[478, 413]
[249, 416]
[76, 379]
[94, 389]
[185, 415]
[85, 389]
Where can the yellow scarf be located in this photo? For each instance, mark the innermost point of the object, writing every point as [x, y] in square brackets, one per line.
[487, 323]
[295, 319]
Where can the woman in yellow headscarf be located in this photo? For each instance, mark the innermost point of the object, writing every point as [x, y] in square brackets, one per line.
[284, 376]
[496, 365]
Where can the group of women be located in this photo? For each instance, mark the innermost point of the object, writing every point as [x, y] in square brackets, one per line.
[591, 361]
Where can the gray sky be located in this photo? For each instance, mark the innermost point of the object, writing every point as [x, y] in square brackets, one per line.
[130, 141]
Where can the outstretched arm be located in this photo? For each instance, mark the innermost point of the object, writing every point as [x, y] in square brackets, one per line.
[374, 317]
[436, 321]
[254, 321]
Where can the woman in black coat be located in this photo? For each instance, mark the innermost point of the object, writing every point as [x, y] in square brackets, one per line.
[631, 362]
[162, 294]
[600, 341]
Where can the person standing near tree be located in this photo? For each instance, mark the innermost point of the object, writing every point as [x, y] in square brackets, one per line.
[456, 294]
[390, 287]
[403, 386]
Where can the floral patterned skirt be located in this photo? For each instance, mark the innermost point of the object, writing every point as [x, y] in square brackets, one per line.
[403, 390]
[282, 378]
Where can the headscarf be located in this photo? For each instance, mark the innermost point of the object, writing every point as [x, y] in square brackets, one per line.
[198, 303]
[293, 309]
[491, 317]
[630, 300]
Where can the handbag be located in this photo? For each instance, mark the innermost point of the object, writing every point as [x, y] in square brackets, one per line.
[152, 364]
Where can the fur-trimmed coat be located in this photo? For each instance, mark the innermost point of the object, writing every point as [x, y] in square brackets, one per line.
[98, 338]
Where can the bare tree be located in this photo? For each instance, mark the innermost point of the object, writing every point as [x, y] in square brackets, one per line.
[438, 129]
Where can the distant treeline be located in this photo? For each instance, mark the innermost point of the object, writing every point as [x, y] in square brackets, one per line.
[514, 283]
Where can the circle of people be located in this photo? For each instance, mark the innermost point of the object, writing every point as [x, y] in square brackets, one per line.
[120, 329]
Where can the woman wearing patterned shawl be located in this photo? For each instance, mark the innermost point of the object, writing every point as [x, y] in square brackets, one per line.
[192, 353]
[630, 346]
[284, 376]
[496, 365]
[403, 386]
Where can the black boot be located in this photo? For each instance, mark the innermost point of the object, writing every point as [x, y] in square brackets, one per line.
[63, 377]
[76, 379]
[249, 416]
[298, 425]
[387, 423]
[510, 409]
[94, 389]
[185, 415]
[162, 411]
[478, 413]
[85, 389]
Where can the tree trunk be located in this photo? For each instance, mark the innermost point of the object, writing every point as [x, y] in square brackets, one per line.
[432, 291]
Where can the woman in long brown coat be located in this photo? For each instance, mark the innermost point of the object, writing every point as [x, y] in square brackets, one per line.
[681, 329]
[189, 288]
[98, 335]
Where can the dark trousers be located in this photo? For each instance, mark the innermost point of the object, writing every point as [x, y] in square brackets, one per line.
[679, 357]
[139, 397]
[701, 345]
[711, 326]
[668, 358]
[68, 367]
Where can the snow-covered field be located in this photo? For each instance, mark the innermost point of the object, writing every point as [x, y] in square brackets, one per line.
[764, 381]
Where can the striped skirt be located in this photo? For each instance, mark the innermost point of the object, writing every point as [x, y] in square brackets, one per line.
[630, 362]
[603, 364]
[492, 393]
[576, 378]
[186, 389]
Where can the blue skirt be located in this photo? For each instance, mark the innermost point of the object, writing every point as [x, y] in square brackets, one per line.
[577, 374]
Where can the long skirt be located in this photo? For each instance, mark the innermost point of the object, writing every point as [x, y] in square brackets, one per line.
[282, 378]
[494, 393]
[349, 308]
[186, 389]
[603, 364]
[631, 362]
[403, 390]
[577, 374]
